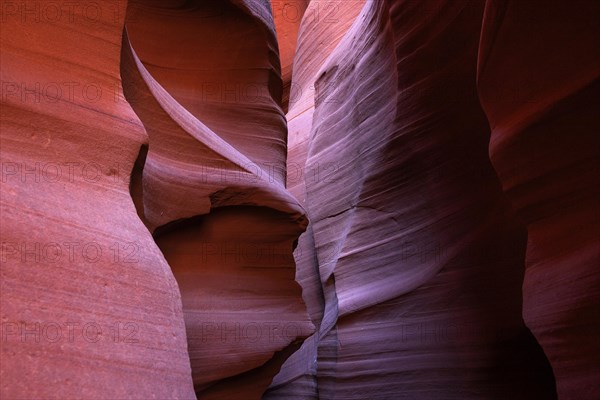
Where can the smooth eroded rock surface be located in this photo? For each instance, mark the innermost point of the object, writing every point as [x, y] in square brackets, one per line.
[210, 103]
[89, 306]
[300, 199]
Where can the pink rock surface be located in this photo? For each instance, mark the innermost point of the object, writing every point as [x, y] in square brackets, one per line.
[317, 41]
[253, 317]
[325, 23]
[287, 15]
[210, 155]
[88, 305]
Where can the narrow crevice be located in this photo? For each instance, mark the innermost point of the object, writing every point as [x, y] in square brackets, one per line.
[136, 183]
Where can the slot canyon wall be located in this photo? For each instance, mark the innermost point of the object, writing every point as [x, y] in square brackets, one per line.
[300, 199]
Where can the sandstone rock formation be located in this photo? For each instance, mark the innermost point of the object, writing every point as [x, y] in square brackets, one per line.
[542, 104]
[287, 15]
[300, 199]
[225, 155]
[410, 217]
[89, 307]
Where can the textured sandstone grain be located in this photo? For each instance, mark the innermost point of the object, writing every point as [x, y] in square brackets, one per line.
[300, 199]
[217, 146]
[419, 254]
[89, 306]
[287, 15]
